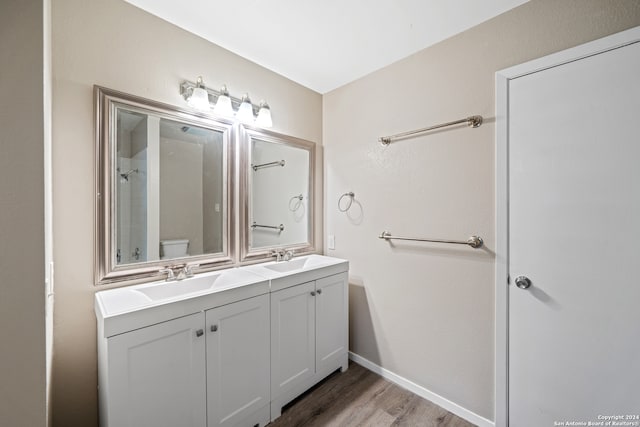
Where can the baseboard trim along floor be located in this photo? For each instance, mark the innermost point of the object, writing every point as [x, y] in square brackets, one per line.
[450, 406]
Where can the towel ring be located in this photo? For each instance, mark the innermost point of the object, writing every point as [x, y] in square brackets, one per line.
[297, 204]
[349, 194]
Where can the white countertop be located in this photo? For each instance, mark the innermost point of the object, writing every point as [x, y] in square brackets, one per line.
[132, 307]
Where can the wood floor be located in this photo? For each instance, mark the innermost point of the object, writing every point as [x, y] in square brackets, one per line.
[358, 397]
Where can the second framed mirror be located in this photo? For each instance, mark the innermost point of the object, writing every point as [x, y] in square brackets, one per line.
[276, 194]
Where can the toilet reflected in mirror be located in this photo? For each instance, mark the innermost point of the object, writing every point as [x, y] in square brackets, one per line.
[170, 249]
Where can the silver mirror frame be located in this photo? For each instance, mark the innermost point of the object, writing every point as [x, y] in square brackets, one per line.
[245, 135]
[106, 270]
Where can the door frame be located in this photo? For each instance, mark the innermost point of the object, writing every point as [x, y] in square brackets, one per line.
[503, 77]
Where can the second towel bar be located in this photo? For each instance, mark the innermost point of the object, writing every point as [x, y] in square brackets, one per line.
[474, 241]
[275, 227]
[267, 165]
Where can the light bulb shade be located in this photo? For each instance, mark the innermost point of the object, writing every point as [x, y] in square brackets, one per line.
[199, 99]
[245, 111]
[223, 106]
[264, 116]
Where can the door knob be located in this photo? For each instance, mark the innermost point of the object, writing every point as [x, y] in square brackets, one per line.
[523, 282]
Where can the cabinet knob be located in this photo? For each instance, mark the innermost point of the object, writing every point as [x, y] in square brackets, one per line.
[313, 293]
[214, 328]
[319, 291]
[199, 332]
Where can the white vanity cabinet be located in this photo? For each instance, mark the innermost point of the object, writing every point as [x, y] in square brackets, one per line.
[206, 369]
[238, 363]
[188, 360]
[309, 336]
[222, 349]
[154, 375]
[332, 322]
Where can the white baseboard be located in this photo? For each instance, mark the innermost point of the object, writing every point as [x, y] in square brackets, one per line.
[450, 406]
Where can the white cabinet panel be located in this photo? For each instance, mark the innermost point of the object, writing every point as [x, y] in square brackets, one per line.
[155, 375]
[292, 336]
[309, 336]
[331, 320]
[237, 360]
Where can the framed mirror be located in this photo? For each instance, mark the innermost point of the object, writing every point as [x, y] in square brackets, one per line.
[276, 193]
[164, 188]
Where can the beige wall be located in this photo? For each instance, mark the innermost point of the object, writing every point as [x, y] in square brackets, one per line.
[23, 125]
[113, 44]
[426, 312]
[181, 193]
[212, 194]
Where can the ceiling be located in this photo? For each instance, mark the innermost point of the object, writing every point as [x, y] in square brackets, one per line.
[324, 44]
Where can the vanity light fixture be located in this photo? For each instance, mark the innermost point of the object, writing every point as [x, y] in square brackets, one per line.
[199, 98]
[245, 111]
[264, 116]
[225, 105]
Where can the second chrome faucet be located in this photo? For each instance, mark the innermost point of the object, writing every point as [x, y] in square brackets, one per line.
[281, 255]
[184, 271]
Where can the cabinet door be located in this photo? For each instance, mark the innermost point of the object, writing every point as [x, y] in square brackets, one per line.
[156, 375]
[292, 337]
[332, 324]
[237, 360]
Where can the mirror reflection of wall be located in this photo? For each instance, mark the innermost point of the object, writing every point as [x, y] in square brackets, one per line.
[191, 190]
[279, 194]
[169, 189]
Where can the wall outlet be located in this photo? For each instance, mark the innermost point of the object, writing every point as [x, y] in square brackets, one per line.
[331, 241]
[217, 207]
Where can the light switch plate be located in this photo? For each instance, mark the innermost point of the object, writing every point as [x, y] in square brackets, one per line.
[331, 241]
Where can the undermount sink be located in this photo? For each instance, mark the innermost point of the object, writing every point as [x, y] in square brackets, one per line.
[283, 274]
[285, 266]
[302, 263]
[173, 289]
[209, 282]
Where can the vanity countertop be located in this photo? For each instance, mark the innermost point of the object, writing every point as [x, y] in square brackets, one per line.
[127, 308]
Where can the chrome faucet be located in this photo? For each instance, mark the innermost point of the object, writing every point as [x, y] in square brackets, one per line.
[278, 253]
[187, 271]
[170, 274]
[288, 255]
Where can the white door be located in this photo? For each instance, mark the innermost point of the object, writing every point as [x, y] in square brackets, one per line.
[292, 337]
[237, 360]
[332, 325]
[574, 232]
[156, 375]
